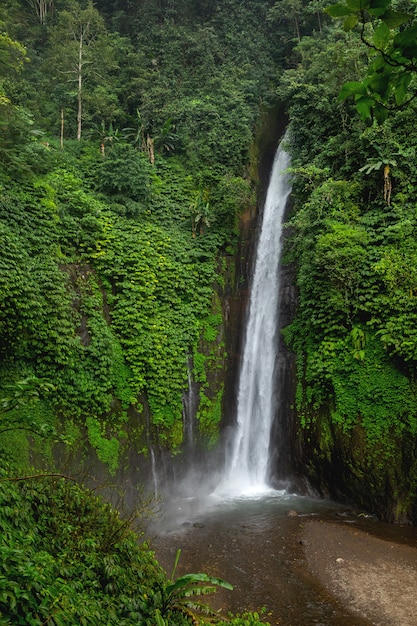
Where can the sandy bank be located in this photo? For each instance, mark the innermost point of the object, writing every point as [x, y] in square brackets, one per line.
[374, 578]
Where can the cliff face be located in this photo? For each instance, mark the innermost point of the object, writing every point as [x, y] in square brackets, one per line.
[380, 478]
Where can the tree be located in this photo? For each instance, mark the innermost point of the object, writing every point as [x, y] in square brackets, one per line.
[288, 11]
[81, 51]
[14, 120]
[391, 38]
[42, 8]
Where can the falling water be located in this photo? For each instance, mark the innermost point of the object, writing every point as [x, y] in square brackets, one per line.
[189, 409]
[154, 473]
[248, 460]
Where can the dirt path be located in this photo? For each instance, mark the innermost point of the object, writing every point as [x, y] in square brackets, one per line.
[373, 578]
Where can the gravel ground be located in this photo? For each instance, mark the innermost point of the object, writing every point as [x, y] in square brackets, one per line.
[374, 578]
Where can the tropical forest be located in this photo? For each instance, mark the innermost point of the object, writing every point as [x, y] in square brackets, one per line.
[136, 142]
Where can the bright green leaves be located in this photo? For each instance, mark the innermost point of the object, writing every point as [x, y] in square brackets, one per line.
[66, 557]
[393, 19]
[12, 54]
[390, 74]
[354, 10]
[381, 35]
[160, 291]
[350, 10]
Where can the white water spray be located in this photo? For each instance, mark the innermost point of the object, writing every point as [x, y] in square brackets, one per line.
[247, 467]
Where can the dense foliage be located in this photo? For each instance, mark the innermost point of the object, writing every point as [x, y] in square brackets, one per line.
[68, 558]
[127, 131]
[355, 226]
[125, 137]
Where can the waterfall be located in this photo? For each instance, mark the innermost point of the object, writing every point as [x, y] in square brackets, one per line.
[154, 473]
[247, 463]
[189, 404]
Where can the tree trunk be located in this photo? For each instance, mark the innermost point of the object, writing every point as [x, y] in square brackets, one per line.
[80, 83]
[61, 136]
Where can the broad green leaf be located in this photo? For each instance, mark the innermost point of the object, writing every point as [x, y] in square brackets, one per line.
[379, 84]
[364, 106]
[382, 35]
[358, 5]
[378, 65]
[405, 43]
[380, 113]
[350, 22]
[379, 4]
[339, 10]
[378, 7]
[351, 89]
[395, 18]
[401, 87]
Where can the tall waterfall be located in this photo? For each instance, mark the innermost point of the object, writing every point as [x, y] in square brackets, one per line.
[247, 466]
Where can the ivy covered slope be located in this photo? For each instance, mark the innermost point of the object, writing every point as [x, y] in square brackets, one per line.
[355, 332]
[125, 137]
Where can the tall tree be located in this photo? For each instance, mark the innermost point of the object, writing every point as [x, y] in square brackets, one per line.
[42, 8]
[14, 120]
[79, 47]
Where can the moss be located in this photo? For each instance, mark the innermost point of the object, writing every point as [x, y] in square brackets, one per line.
[209, 416]
[107, 449]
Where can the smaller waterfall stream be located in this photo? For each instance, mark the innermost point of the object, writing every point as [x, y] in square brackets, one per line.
[247, 466]
[189, 409]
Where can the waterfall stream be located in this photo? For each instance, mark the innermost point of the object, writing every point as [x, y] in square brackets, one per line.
[247, 466]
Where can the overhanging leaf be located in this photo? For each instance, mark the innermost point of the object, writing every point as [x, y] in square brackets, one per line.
[380, 112]
[364, 106]
[401, 86]
[339, 10]
[382, 35]
[378, 7]
[395, 18]
[379, 84]
[350, 22]
[358, 5]
[379, 4]
[350, 89]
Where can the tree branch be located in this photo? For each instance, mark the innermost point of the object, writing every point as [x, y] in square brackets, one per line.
[410, 67]
[38, 476]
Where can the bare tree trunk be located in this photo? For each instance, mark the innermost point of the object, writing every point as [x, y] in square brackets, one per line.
[80, 84]
[319, 20]
[297, 28]
[41, 7]
[62, 129]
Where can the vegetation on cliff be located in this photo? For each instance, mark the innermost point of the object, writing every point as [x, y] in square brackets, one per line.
[125, 137]
[355, 229]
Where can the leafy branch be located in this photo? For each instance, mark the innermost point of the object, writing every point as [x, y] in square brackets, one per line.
[389, 76]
